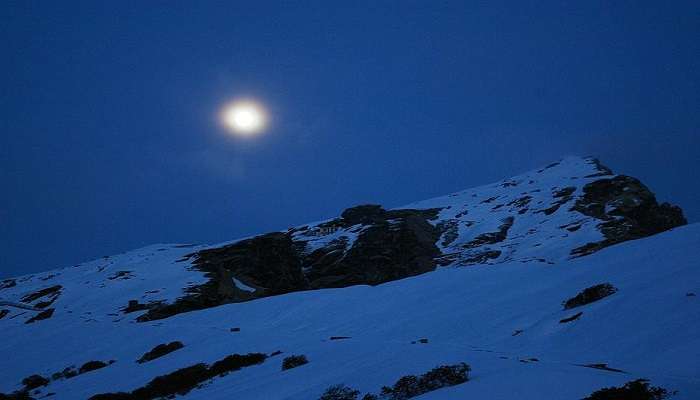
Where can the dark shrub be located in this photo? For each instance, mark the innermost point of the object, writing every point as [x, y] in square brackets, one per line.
[235, 362]
[67, 373]
[185, 379]
[293, 362]
[411, 386]
[113, 396]
[160, 351]
[339, 392]
[405, 388]
[589, 295]
[34, 381]
[21, 395]
[91, 366]
[179, 382]
[633, 390]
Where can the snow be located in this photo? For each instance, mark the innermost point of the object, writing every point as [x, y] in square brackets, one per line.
[242, 286]
[649, 329]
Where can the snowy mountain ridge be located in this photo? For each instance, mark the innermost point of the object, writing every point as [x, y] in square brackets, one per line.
[480, 274]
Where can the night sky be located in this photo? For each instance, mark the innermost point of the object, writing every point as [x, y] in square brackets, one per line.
[110, 138]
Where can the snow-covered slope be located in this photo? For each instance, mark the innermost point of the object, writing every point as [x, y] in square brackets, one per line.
[500, 313]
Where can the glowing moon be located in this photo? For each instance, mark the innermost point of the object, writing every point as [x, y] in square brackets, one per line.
[244, 117]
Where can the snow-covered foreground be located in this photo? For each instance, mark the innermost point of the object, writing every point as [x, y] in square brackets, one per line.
[650, 329]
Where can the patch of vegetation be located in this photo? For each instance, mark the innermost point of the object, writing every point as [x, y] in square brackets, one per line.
[411, 386]
[406, 387]
[589, 295]
[21, 395]
[340, 392]
[92, 366]
[67, 373]
[294, 361]
[160, 351]
[34, 381]
[185, 379]
[633, 390]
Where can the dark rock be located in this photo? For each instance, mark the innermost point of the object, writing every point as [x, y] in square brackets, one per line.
[563, 196]
[159, 351]
[492, 237]
[294, 361]
[52, 291]
[589, 295]
[91, 366]
[602, 367]
[269, 261]
[450, 231]
[4, 312]
[571, 318]
[46, 314]
[339, 337]
[34, 381]
[480, 257]
[235, 329]
[521, 202]
[392, 245]
[121, 275]
[8, 283]
[363, 214]
[628, 210]
[398, 246]
[135, 305]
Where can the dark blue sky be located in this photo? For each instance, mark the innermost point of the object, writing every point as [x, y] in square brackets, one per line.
[109, 138]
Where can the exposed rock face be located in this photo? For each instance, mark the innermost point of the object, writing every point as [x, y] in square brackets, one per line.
[270, 262]
[543, 216]
[628, 209]
[395, 245]
[46, 314]
[392, 245]
[590, 295]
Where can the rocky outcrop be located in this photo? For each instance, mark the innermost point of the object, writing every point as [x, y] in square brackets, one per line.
[270, 262]
[392, 245]
[628, 210]
[395, 244]
[369, 245]
[590, 295]
[159, 351]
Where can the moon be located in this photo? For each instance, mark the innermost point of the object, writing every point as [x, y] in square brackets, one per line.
[244, 117]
